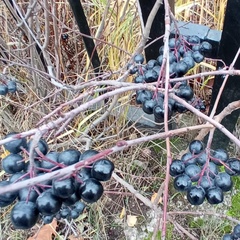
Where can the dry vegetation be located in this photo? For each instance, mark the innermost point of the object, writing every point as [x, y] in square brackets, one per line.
[117, 31]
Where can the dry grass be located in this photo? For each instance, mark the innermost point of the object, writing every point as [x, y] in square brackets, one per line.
[208, 13]
[113, 22]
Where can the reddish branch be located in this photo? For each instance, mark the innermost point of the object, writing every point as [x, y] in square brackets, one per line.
[119, 147]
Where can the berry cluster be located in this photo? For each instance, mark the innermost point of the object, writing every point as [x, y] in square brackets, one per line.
[204, 175]
[184, 53]
[9, 86]
[58, 198]
[235, 235]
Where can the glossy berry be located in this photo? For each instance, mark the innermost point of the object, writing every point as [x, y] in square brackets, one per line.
[206, 182]
[139, 79]
[224, 181]
[63, 188]
[161, 49]
[83, 174]
[24, 215]
[193, 39]
[151, 76]
[149, 105]
[196, 195]
[42, 146]
[13, 163]
[159, 112]
[152, 63]
[48, 219]
[157, 69]
[197, 56]
[205, 48]
[19, 176]
[172, 72]
[48, 204]
[196, 147]
[181, 68]
[189, 61]
[196, 48]
[214, 195]
[91, 190]
[65, 212]
[188, 159]
[37, 165]
[179, 107]
[139, 58]
[7, 198]
[69, 157]
[173, 57]
[69, 201]
[102, 169]
[160, 59]
[27, 194]
[64, 36]
[181, 49]
[143, 95]
[50, 161]
[182, 182]
[236, 231]
[211, 170]
[171, 102]
[193, 171]
[132, 69]
[79, 207]
[3, 90]
[173, 43]
[12, 86]
[185, 92]
[202, 158]
[74, 214]
[177, 167]
[233, 167]
[88, 154]
[219, 156]
[141, 70]
[228, 236]
[16, 145]
[188, 54]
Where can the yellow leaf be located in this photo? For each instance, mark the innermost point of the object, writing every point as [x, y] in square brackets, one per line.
[123, 213]
[5, 154]
[46, 232]
[208, 65]
[131, 220]
[154, 197]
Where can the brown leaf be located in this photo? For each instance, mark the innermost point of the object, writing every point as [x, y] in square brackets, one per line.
[72, 237]
[46, 232]
[154, 197]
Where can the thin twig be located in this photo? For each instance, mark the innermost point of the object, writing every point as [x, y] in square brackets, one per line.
[119, 147]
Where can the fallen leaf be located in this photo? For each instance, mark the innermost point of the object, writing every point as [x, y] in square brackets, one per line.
[131, 220]
[46, 232]
[154, 197]
[123, 213]
[72, 237]
[5, 154]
